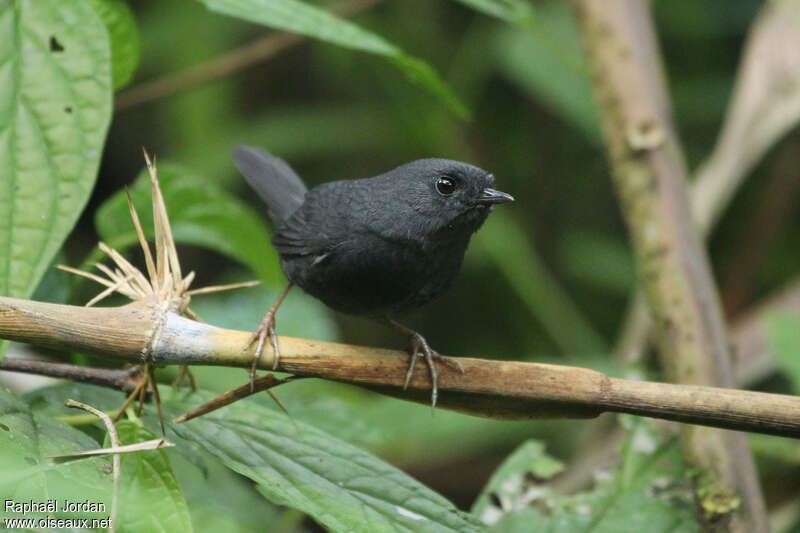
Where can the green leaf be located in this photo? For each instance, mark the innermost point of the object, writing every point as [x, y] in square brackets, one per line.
[783, 332]
[150, 497]
[774, 453]
[50, 400]
[54, 286]
[200, 212]
[299, 17]
[650, 491]
[341, 486]
[220, 499]
[217, 498]
[124, 34]
[27, 441]
[508, 483]
[518, 12]
[55, 107]
[402, 431]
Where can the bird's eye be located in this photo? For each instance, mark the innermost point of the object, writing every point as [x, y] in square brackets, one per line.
[446, 186]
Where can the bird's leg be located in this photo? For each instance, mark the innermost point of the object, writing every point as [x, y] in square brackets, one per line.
[266, 329]
[418, 347]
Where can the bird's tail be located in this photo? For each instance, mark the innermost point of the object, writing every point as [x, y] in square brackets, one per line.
[273, 179]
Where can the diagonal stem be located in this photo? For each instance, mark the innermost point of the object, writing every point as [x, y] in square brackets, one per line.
[227, 64]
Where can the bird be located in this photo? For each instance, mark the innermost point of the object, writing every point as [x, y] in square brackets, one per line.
[377, 247]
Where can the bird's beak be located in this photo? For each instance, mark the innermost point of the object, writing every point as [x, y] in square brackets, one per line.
[493, 196]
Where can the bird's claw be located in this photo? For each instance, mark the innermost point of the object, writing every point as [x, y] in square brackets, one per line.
[418, 347]
[266, 329]
[453, 363]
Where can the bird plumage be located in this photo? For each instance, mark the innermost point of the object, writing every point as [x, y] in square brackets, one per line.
[275, 182]
[376, 246]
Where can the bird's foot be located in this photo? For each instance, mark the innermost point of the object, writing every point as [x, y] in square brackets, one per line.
[419, 347]
[266, 329]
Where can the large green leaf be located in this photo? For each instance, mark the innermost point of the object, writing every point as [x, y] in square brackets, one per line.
[50, 400]
[54, 286]
[200, 212]
[299, 17]
[402, 431]
[218, 499]
[150, 497]
[124, 35]
[650, 491]
[341, 486]
[55, 107]
[518, 12]
[27, 441]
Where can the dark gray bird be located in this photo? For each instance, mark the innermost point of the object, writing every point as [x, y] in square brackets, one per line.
[377, 247]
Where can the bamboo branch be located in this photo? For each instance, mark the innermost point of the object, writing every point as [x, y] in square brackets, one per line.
[488, 388]
[651, 181]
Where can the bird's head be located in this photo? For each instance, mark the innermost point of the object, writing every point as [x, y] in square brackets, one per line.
[450, 196]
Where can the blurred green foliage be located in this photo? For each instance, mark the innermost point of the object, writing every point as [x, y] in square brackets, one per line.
[783, 330]
[200, 212]
[648, 492]
[546, 280]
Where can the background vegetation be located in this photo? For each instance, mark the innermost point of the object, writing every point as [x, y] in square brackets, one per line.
[499, 84]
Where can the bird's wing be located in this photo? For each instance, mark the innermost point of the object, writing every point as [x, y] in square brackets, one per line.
[312, 229]
[296, 237]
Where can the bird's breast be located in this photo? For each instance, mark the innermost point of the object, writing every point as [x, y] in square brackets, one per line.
[370, 275]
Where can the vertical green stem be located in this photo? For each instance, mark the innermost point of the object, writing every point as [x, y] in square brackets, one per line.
[651, 182]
